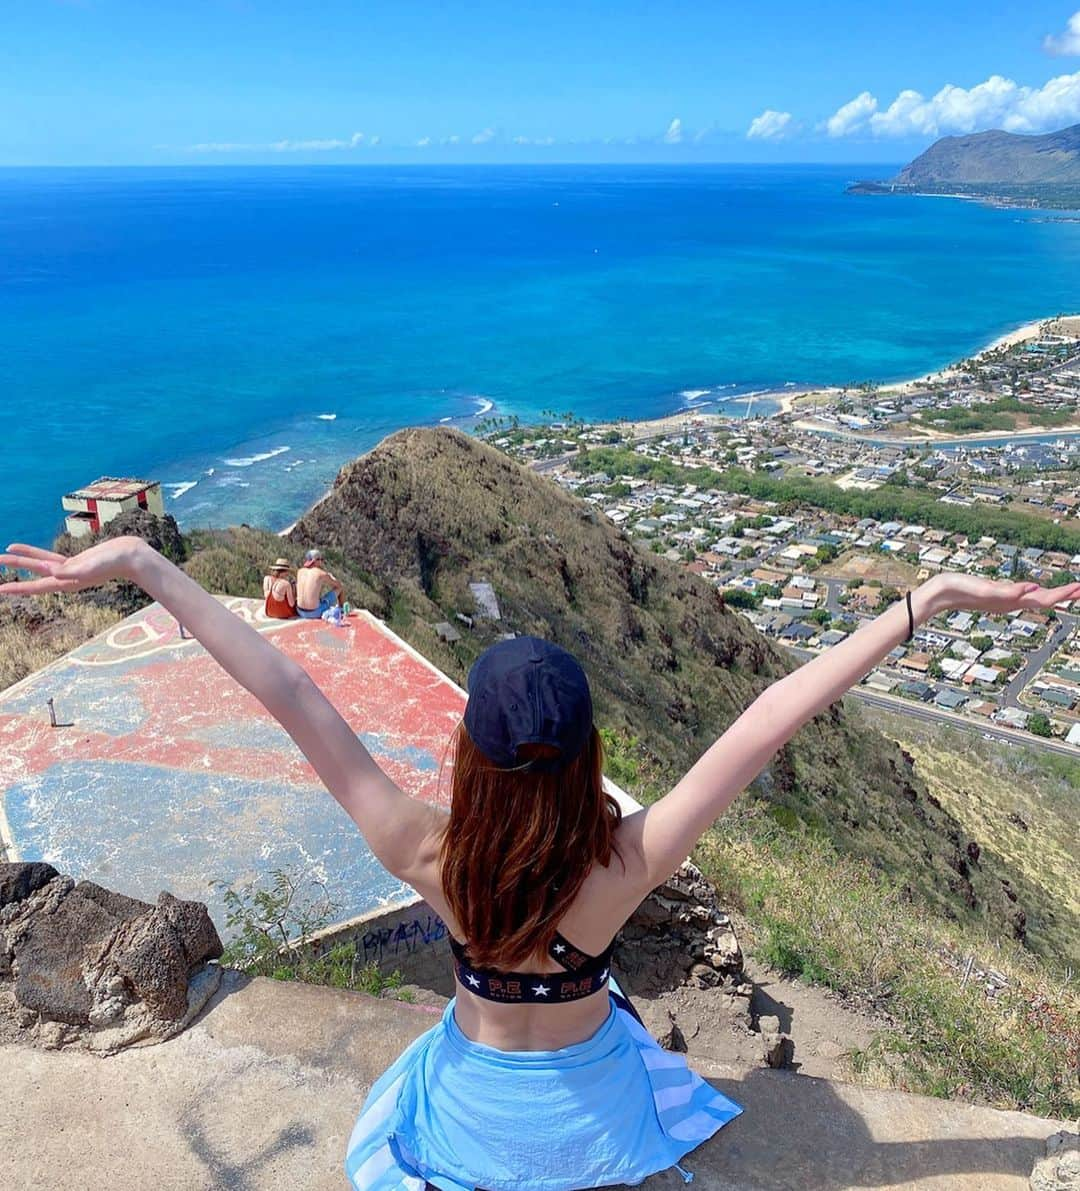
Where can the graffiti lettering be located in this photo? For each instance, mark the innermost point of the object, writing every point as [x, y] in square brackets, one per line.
[156, 631]
[134, 636]
[389, 941]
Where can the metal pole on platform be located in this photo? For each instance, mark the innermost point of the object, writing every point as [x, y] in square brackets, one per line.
[52, 712]
[183, 631]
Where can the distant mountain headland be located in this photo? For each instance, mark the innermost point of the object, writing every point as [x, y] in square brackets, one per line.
[996, 166]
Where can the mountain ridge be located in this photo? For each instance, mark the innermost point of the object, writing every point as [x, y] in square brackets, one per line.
[1007, 167]
[998, 157]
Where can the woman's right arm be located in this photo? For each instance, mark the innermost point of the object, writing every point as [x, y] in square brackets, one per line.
[665, 834]
[395, 826]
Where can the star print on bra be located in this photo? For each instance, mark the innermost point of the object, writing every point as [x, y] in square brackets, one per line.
[585, 975]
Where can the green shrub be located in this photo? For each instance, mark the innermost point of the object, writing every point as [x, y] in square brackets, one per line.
[275, 919]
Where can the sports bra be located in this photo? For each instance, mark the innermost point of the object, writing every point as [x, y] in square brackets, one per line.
[585, 975]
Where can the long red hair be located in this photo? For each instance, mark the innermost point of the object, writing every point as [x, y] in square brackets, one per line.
[518, 847]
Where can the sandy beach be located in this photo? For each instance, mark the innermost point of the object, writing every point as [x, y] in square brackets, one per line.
[1066, 324]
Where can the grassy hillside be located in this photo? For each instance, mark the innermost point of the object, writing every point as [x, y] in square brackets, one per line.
[32, 634]
[1022, 803]
[974, 1016]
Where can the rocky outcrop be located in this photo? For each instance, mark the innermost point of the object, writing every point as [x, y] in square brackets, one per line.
[776, 1047]
[80, 964]
[679, 935]
[1060, 1169]
[683, 965]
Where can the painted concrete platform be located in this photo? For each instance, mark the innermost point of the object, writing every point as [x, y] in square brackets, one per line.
[167, 774]
[261, 1092]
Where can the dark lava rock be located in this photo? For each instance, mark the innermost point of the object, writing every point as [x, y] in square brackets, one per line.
[50, 952]
[84, 955]
[155, 952]
[18, 881]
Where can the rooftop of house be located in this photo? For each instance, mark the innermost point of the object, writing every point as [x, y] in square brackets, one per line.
[111, 488]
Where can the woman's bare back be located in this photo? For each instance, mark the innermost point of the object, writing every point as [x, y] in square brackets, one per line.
[608, 897]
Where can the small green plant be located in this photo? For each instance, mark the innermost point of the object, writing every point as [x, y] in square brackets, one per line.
[275, 920]
[629, 765]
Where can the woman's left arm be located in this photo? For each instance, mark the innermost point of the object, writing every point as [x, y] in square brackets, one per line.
[670, 827]
[394, 824]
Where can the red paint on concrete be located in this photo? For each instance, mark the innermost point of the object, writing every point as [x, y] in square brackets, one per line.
[192, 708]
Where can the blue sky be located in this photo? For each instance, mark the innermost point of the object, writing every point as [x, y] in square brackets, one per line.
[243, 81]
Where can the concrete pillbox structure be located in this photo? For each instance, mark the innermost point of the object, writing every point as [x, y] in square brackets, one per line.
[98, 503]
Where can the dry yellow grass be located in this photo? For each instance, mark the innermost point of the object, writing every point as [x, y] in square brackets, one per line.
[857, 565]
[1019, 803]
[34, 633]
[833, 919]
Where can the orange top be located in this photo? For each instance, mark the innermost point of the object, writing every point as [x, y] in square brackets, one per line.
[278, 605]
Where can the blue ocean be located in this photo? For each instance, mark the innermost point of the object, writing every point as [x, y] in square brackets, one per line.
[239, 333]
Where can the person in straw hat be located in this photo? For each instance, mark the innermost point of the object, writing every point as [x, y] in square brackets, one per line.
[280, 591]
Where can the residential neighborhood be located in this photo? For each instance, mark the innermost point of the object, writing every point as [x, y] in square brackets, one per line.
[806, 569]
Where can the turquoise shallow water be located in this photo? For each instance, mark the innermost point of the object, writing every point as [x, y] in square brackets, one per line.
[201, 326]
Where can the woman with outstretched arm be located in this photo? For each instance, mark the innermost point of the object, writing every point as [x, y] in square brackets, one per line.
[539, 1075]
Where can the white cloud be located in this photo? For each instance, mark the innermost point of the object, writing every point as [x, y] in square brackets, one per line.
[221, 147]
[674, 133]
[769, 126]
[908, 114]
[1065, 44]
[423, 142]
[482, 138]
[522, 140]
[316, 146]
[853, 116]
[358, 140]
[996, 103]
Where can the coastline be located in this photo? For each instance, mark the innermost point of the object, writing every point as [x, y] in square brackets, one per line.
[1021, 334]
[381, 346]
[788, 400]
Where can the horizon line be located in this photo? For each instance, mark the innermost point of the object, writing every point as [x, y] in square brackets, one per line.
[363, 165]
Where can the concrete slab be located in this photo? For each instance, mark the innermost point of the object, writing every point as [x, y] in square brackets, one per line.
[261, 1093]
[167, 773]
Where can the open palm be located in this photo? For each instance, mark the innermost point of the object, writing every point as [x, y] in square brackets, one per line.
[56, 572]
[995, 596]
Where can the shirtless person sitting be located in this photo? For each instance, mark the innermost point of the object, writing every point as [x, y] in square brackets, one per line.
[312, 580]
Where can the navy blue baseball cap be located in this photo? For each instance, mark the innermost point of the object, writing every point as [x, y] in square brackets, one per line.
[528, 691]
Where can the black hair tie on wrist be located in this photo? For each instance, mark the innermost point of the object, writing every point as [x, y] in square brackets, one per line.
[910, 618]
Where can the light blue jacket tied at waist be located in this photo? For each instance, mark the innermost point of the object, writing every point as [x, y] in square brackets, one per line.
[613, 1109]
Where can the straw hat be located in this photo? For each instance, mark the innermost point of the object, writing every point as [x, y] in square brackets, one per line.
[281, 564]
